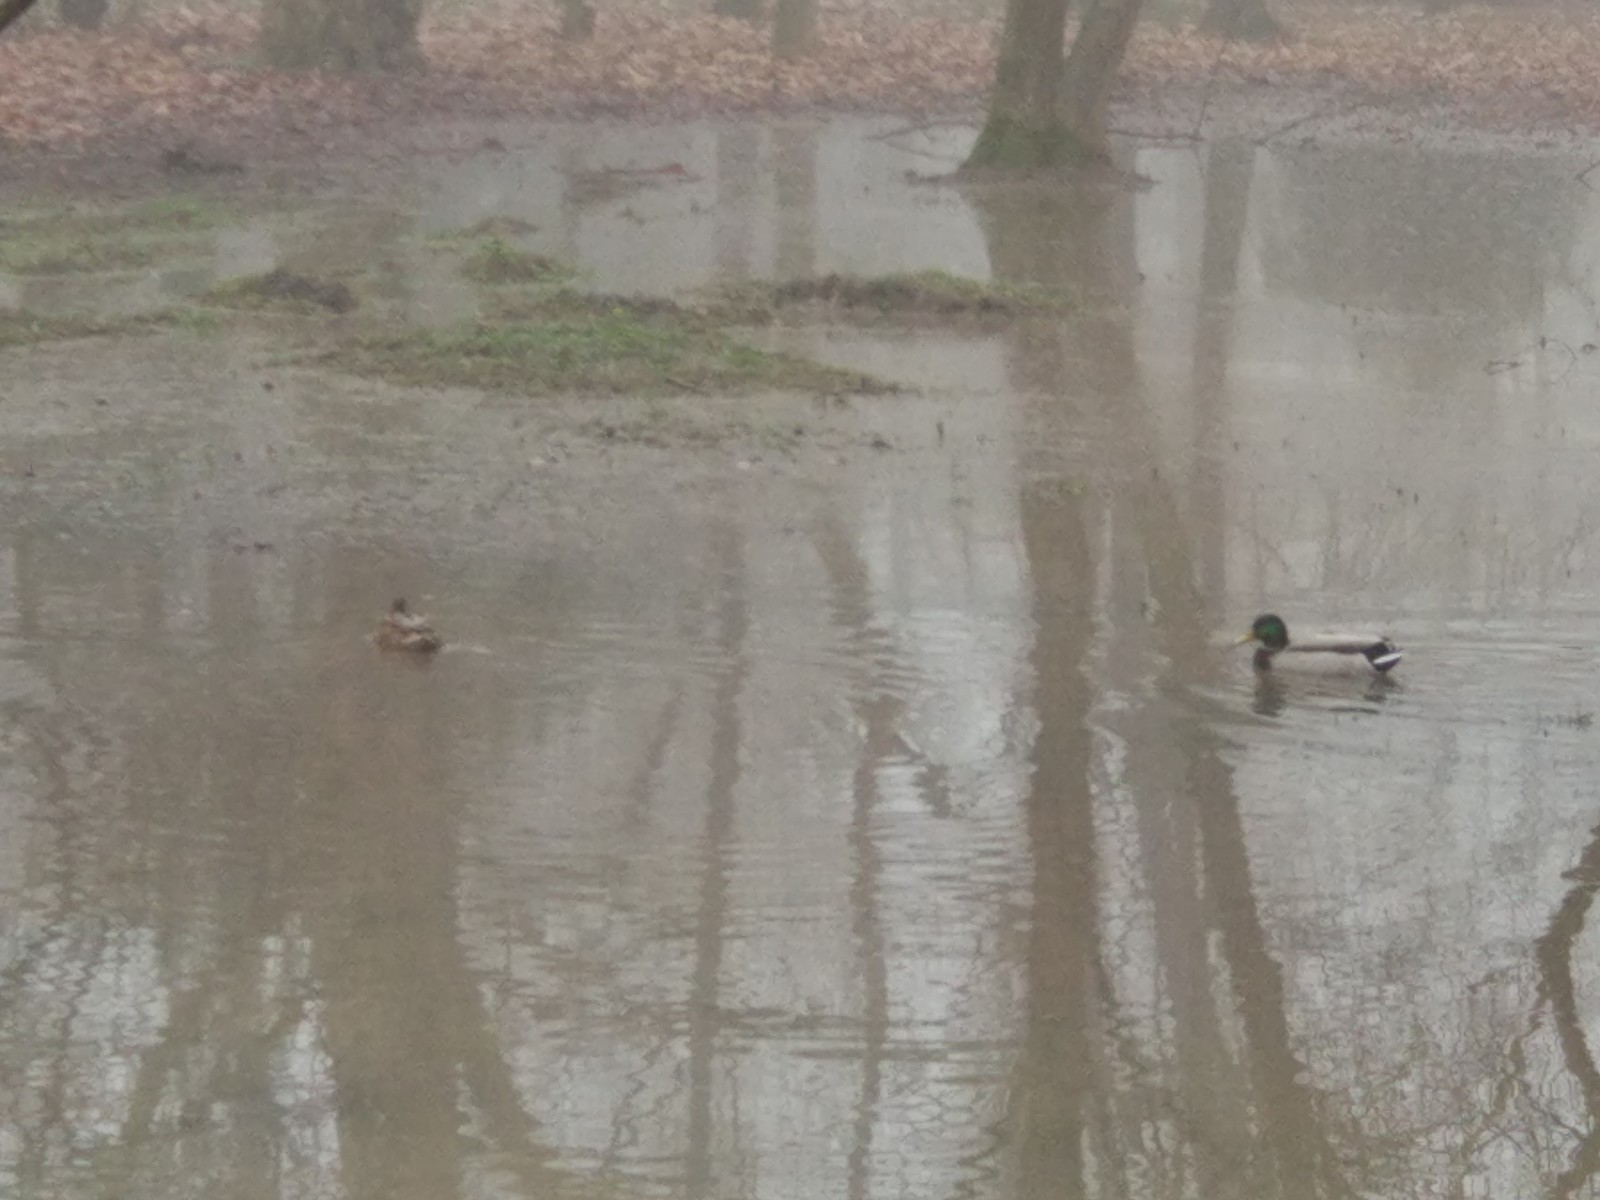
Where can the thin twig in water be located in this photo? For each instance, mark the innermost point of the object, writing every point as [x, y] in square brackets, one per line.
[1572, 357]
[1171, 135]
[1499, 366]
[1314, 115]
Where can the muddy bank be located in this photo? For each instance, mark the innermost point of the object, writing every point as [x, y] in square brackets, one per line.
[174, 99]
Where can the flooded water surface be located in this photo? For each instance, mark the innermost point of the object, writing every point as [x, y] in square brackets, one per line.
[847, 798]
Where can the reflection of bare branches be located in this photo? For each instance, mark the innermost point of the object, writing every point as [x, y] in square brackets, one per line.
[1509, 1081]
[1553, 951]
[1499, 366]
[1054, 1096]
[879, 710]
[641, 786]
[727, 736]
[1340, 108]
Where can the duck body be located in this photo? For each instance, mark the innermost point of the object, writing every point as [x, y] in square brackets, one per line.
[1375, 653]
[401, 629]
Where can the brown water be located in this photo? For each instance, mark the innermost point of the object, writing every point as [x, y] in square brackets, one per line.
[797, 818]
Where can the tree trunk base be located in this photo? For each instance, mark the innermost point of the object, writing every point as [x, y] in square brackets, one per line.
[342, 35]
[1241, 23]
[1007, 144]
[577, 21]
[84, 14]
[744, 10]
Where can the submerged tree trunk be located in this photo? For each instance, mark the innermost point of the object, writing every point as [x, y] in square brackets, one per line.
[10, 10]
[794, 28]
[348, 35]
[84, 14]
[1092, 68]
[745, 10]
[1044, 114]
[577, 20]
[1240, 20]
[1024, 129]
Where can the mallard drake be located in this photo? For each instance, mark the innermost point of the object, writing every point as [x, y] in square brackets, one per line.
[1271, 637]
[402, 629]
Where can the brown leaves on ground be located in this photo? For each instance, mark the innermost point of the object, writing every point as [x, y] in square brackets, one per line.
[188, 70]
[1516, 62]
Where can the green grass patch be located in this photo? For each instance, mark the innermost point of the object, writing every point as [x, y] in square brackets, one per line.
[489, 227]
[19, 327]
[188, 318]
[283, 291]
[163, 214]
[54, 256]
[160, 214]
[496, 261]
[917, 295]
[568, 304]
[90, 239]
[612, 351]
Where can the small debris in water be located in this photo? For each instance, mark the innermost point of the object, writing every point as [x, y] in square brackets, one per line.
[401, 629]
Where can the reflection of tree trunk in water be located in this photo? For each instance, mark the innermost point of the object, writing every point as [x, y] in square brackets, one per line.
[1053, 1098]
[383, 933]
[375, 866]
[794, 28]
[246, 775]
[57, 882]
[1092, 66]
[1094, 251]
[403, 1018]
[1554, 953]
[1056, 1106]
[1304, 1164]
[1229, 165]
[573, 160]
[345, 35]
[10, 10]
[1096, 240]
[879, 713]
[794, 180]
[577, 21]
[738, 159]
[400, 1014]
[1242, 20]
[727, 735]
[1209, 1087]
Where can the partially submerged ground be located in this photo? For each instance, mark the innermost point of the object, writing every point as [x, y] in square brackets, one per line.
[534, 333]
[172, 102]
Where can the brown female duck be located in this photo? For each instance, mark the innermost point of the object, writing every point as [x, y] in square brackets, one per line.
[402, 629]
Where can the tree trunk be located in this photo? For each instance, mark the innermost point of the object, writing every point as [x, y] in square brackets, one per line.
[347, 35]
[577, 20]
[1041, 113]
[1024, 128]
[745, 10]
[794, 28]
[1240, 20]
[1092, 69]
[84, 14]
[10, 10]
